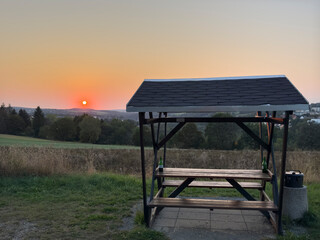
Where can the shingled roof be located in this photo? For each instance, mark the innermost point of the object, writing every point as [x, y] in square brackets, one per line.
[254, 93]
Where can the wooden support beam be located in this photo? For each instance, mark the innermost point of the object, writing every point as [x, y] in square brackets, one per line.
[155, 155]
[266, 195]
[152, 133]
[165, 144]
[214, 119]
[253, 135]
[244, 193]
[154, 210]
[179, 189]
[143, 171]
[170, 135]
[270, 130]
[283, 169]
[240, 189]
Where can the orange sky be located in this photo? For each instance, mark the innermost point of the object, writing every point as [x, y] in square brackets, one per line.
[57, 53]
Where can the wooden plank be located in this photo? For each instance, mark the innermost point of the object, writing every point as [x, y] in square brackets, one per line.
[212, 204]
[210, 184]
[214, 173]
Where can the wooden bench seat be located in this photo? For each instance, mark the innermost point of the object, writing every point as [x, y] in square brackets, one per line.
[213, 204]
[211, 184]
[215, 173]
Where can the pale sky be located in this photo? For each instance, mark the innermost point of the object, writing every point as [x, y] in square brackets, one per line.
[57, 53]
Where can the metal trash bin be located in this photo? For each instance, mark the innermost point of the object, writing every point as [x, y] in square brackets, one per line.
[295, 200]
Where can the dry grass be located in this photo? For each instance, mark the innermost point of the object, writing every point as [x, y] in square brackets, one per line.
[16, 161]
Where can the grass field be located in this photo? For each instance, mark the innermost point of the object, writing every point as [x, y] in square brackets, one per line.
[47, 189]
[11, 140]
[69, 207]
[93, 206]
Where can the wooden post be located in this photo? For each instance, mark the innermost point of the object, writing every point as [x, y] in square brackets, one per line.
[143, 170]
[283, 170]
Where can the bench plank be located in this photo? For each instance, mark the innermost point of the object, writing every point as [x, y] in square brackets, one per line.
[214, 173]
[212, 204]
[210, 184]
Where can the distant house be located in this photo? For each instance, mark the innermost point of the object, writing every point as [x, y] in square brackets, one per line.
[315, 109]
[301, 112]
[317, 121]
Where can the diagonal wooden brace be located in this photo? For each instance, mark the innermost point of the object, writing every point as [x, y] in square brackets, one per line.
[182, 186]
[170, 134]
[253, 135]
[244, 193]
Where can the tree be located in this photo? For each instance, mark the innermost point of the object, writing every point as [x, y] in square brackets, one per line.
[77, 120]
[146, 136]
[3, 119]
[63, 129]
[188, 137]
[106, 133]
[117, 131]
[25, 117]
[45, 132]
[15, 124]
[222, 136]
[38, 121]
[307, 136]
[123, 131]
[90, 129]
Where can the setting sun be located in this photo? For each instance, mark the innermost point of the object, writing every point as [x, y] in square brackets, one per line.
[84, 103]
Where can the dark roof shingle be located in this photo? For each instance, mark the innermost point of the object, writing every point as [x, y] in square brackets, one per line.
[262, 93]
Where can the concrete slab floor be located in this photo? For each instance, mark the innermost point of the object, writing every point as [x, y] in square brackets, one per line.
[219, 224]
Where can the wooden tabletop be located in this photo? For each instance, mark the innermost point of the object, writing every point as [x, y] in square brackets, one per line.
[215, 173]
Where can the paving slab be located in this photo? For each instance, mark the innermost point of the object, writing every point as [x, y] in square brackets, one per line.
[168, 214]
[219, 224]
[259, 227]
[172, 209]
[204, 234]
[227, 217]
[226, 211]
[194, 215]
[165, 222]
[251, 212]
[192, 223]
[198, 210]
[255, 219]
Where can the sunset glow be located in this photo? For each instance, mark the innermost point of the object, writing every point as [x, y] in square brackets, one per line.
[84, 103]
[55, 52]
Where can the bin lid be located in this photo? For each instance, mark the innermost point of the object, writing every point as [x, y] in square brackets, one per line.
[294, 172]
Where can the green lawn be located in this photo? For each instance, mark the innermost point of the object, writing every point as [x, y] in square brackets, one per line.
[70, 207]
[12, 140]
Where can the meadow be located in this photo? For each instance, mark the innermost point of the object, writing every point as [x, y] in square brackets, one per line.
[12, 140]
[70, 207]
[52, 192]
[25, 156]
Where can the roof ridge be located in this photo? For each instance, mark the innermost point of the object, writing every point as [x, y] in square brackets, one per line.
[214, 79]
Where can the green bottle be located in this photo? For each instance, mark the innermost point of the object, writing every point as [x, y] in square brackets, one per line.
[264, 165]
[160, 165]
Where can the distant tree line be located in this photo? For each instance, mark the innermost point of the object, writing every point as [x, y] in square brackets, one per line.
[86, 128]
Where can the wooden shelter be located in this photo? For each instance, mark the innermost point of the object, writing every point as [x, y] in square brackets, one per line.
[264, 95]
